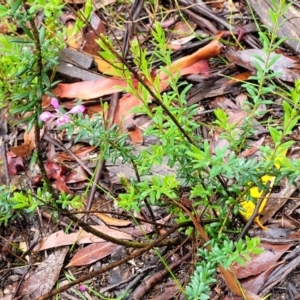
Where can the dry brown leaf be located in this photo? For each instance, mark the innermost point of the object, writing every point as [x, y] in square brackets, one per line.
[123, 115]
[192, 64]
[29, 138]
[277, 200]
[15, 164]
[4, 28]
[176, 44]
[113, 221]
[253, 147]
[106, 67]
[92, 253]
[97, 28]
[21, 151]
[61, 186]
[183, 29]
[251, 296]
[77, 175]
[41, 280]
[255, 283]
[80, 150]
[89, 89]
[289, 68]
[261, 262]
[136, 136]
[74, 40]
[212, 49]
[231, 281]
[60, 238]
[29, 144]
[239, 77]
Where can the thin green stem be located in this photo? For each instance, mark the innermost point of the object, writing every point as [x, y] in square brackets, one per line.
[38, 107]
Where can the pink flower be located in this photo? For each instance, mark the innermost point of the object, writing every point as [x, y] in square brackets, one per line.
[62, 118]
[46, 116]
[81, 288]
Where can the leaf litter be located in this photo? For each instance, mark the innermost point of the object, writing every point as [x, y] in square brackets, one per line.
[58, 167]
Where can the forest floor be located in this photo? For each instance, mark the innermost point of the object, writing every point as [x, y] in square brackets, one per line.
[93, 247]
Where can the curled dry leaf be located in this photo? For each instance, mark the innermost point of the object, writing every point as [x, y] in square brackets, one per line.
[28, 145]
[15, 163]
[53, 170]
[61, 186]
[212, 49]
[77, 175]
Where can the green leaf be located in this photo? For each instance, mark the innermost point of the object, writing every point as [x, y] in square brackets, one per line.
[22, 71]
[29, 80]
[15, 5]
[215, 171]
[42, 35]
[273, 60]
[275, 134]
[46, 79]
[20, 41]
[26, 30]
[3, 8]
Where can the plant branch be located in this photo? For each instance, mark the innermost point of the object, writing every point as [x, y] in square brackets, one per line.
[109, 238]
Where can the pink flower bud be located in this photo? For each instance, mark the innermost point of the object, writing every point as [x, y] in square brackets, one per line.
[55, 103]
[77, 109]
[45, 116]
